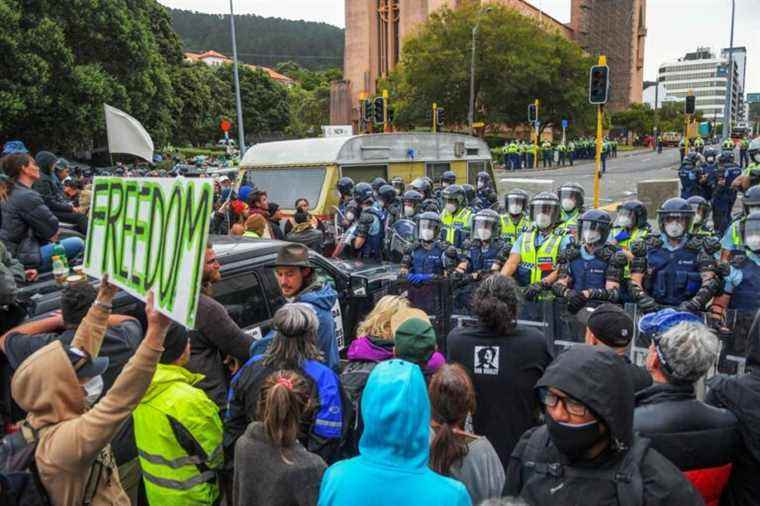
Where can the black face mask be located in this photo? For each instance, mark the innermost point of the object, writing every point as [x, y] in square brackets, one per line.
[573, 441]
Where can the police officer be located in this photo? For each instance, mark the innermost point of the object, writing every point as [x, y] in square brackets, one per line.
[346, 190]
[708, 179]
[682, 149]
[515, 220]
[425, 259]
[456, 217]
[470, 198]
[448, 178]
[630, 224]
[562, 148]
[690, 174]
[728, 145]
[423, 186]
[732, 242]
[534, 256]
[743, 148]
[486, 193]
[548, 153]
[699, 144]
[369, 235]
[571, 198]
[377, 183]
[389, 204]
[742, 285]
[674, 268]
[571, 152]
[398, 184]
[412, 200]
[700, 225]
[485, 251]
[591, 272]
[724, 195]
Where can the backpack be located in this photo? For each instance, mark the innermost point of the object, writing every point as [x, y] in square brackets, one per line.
[20, 483]
[627, 476]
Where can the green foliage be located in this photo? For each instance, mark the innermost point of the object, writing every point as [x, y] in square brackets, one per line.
[262, 41]
[516, 62]
[309, 98]
[754, 114]
[640, 118]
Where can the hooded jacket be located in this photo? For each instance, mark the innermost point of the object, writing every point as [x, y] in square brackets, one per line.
[596, 377]
[392, 467]
[71, 437]
[48, 185]
[25, 215]
[741, 395]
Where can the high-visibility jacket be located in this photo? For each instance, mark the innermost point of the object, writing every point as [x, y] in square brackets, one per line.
[251, 233]
[178, 471]
[511, 230]
[635, 234]
[569, 223]
[513, 148]
[546, 146]
[538, 262]
[453, 223]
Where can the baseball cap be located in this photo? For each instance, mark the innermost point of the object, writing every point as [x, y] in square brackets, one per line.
[175, 343]
[609, 324]
[415, 340]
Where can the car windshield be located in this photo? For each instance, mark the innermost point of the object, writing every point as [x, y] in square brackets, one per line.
[285, 185]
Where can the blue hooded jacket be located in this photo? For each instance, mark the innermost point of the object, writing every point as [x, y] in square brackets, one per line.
[392, 466]
[321, 299]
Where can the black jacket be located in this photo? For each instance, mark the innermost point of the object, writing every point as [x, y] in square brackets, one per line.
[311, 238]
[639, 376]
[52, 194]
[25, 216]
[688, 432]
[544, 476]
[506, 403]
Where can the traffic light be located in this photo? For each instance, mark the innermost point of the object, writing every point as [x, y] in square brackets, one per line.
[691, 104]
[367, 112]
[531, 113]
[379, 111]
[599, 84]
[440, 117]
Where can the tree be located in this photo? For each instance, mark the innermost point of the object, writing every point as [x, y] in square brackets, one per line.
[198, 104]
[638, 119]
[754, 115]
[517, 61]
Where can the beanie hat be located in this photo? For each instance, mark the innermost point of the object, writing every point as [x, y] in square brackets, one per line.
[243, 192]
[415, 341]
[45, 161]
[14, 147]
[175, 343]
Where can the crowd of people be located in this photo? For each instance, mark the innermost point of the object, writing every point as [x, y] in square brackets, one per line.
[519, 154]
[101, 408]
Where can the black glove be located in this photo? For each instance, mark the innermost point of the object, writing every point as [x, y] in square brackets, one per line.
[647, 304]
[532, 292]
[575, 301]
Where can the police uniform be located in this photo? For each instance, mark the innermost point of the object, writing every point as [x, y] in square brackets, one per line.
[510, 230]
[455, 226]
[591, 271]
[724, 197]
[539, 254]
[418, 259]
[743, 282]
[370, 226]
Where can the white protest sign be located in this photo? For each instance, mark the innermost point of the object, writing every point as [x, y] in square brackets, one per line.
[150, 234]
[337, 130]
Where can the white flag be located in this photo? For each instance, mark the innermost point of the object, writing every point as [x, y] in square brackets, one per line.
[127, 135]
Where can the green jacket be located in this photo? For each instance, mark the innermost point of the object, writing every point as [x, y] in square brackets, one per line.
[178, 472]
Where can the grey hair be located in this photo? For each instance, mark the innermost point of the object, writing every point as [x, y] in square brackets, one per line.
[295, 340]
[295, 320]
[690, 349]
[504, 501]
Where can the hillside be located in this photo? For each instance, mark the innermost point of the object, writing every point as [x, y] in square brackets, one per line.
[262, 41]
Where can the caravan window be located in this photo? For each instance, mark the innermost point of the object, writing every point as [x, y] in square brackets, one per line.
[435, 170]
[284, 186]
[364, 173]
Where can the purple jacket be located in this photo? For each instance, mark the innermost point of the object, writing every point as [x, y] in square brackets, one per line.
[367, 349]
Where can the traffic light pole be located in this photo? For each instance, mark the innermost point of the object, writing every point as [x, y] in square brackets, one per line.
[535, 157]
[435, 117]
[386, 125]
[598, 157]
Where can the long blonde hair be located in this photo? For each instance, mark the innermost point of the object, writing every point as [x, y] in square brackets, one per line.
[378, 321]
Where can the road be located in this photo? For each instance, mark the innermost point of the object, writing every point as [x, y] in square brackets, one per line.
[618, 183]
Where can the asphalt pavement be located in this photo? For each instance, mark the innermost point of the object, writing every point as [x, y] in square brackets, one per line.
[618, 184]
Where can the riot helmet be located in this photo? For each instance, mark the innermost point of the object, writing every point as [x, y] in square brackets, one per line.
[754, 150]
[750, 231]
[422, 186]
[544, 210]
[710, 154]
[751, 200]
[674, 217]
[412, 200]
[430, 205]
[428, 226]
[484, 180]
[345, 186]
[594, 225]
[386, 194]
[363, 193]
[484, 224]
[448, 178]
[469, 193]
[631, 214]
[694, 159]
[453, 198]
[377, 183]
[701, 208]
[726, 157]
[516, 202]
[398, 184]
[571, 197]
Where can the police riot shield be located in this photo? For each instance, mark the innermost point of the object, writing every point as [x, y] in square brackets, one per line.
[402, 235]
[736, 338]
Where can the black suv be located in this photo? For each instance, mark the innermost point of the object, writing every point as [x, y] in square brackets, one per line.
[249, 289]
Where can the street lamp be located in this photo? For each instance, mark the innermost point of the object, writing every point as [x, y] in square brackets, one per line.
[471, 113]
[727, 113]
[238, 104]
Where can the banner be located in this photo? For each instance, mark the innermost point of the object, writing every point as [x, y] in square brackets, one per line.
[150, 234]
[127, 135]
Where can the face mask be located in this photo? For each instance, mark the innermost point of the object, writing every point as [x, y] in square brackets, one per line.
[408, 211]
[543, 220]
[515, 209]
[93, 389]
[427, 234]
[568, 204]
[591, 236]
[624, 221]
[697, 219]
[484, 234]
[573, 440]
[674, 230]
[350, 216]
[451, 207]
[753, 243]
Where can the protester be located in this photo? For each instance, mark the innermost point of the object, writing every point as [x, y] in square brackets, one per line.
[392, 466]
[505, 360]
[699, 439]
[587, 452]
[414, 340]
[470, 459]
[53, 171]
[609, 326]
[303, 206]
[255, 226]
[59, 386]
[29, 230]
[271, 466]
[293, 347]
[12, 273]
[304, 232]
[178, 431]
[741, 395]
[299, 283]
[215, 338]
[275, 217]
[258, 203]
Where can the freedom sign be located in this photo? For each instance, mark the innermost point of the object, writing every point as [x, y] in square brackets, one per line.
[150, 234]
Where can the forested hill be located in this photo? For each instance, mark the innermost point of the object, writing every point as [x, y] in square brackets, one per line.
[262, 41]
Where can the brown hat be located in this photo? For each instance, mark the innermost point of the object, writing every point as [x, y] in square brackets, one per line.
[293, 255]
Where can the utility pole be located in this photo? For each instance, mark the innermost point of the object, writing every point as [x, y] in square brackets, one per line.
[435, 117]
[538, 141]
[599, 87]
[729, 87]
[471, 112]
[386, 125]
[238, 103]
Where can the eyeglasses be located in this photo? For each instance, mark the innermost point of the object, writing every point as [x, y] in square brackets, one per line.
[575, 408]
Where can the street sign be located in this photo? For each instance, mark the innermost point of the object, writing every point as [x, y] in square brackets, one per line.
[225, 125]
[564, 123]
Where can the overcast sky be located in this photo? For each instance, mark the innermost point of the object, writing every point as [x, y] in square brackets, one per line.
[674, 26]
